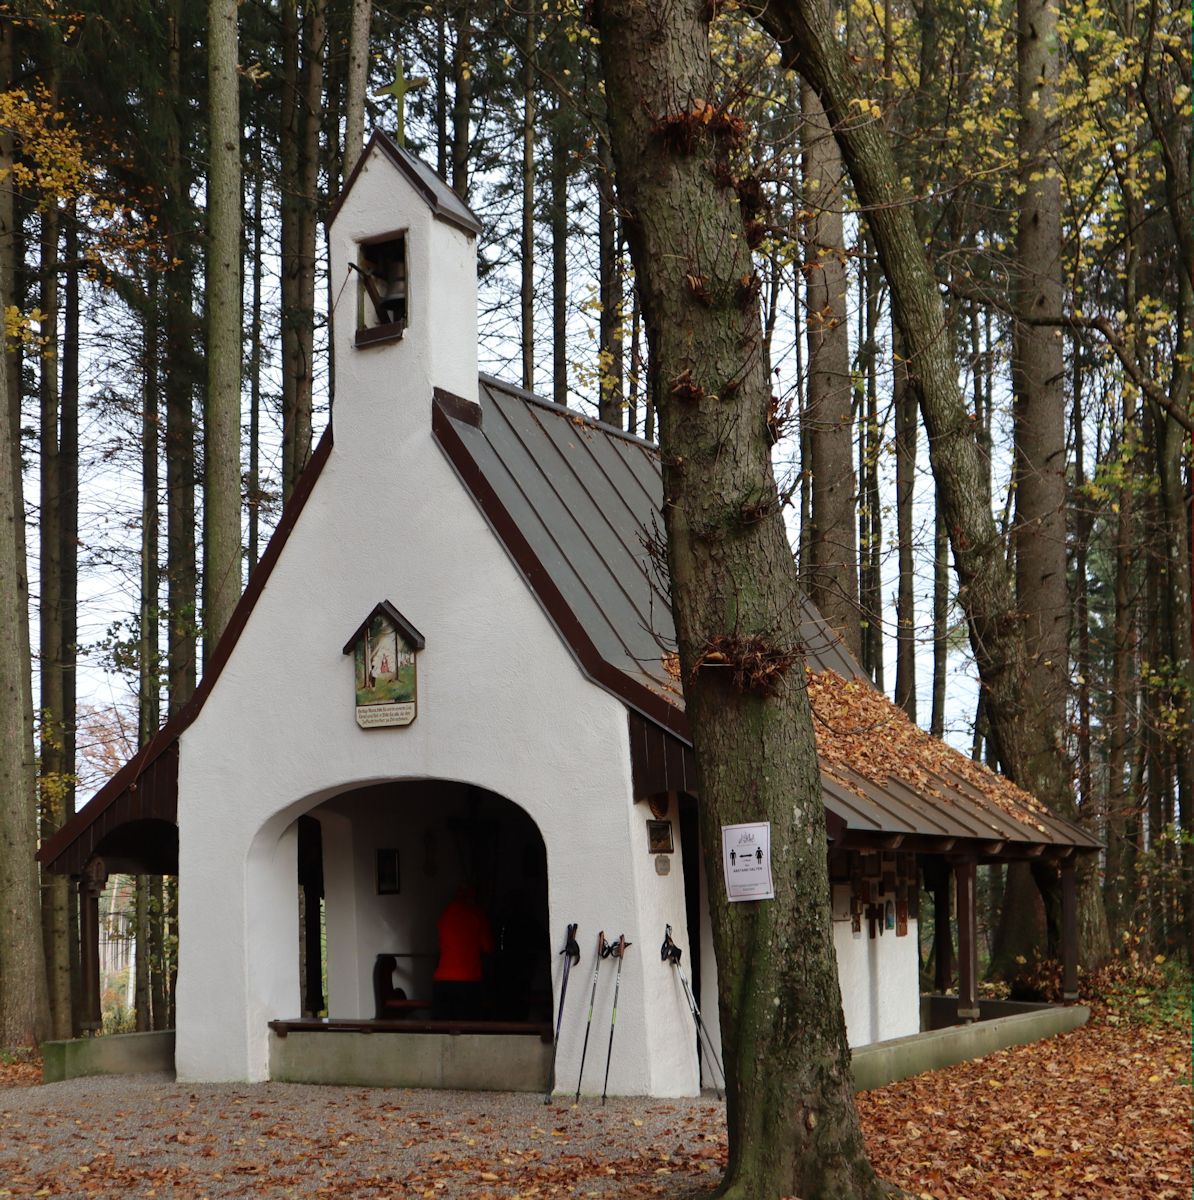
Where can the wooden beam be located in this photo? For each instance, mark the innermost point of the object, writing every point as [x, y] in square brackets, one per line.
[943, 941]
[964, 873]
[91, 886]
[1069, 932]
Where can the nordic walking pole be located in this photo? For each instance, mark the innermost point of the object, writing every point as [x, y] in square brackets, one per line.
[619, 951]
[571, 953]
[669, 952]
[703, 1037]
[602, 952]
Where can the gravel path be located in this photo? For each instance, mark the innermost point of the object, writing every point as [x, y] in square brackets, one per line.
[149, 1136]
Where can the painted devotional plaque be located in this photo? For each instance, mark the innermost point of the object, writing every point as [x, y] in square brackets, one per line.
[386, 678]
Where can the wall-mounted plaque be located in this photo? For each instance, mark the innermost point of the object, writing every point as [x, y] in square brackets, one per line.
[386, 678]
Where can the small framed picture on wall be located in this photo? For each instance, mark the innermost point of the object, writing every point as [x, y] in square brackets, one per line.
[659, 837]
[389, 881]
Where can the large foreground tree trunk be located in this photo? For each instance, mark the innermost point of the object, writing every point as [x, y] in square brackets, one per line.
[792, 1124]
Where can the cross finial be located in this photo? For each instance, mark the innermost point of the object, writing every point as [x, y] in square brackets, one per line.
[398, 89]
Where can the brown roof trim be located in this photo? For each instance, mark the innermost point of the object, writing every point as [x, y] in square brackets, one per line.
[397, 156]
[633, 694]
[53, 851]
[458, 408]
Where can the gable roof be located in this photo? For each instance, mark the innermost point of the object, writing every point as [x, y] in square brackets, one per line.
[440, 198]
[578, 506]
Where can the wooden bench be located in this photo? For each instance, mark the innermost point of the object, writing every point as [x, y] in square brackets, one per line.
[390, 1000]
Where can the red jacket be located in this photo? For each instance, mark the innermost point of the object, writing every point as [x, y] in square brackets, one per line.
[464, 935]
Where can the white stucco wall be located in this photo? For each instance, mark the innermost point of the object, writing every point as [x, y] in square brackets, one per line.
[502, 705]
[879, 977]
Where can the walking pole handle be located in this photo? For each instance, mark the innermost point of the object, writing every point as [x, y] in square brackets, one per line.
[571, 949]
[669, 952]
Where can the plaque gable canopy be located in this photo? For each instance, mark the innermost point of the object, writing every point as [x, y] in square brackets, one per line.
[404, 627]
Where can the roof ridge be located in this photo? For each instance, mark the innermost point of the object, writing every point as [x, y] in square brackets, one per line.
[521, 393]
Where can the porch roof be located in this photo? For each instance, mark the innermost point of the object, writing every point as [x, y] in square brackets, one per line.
[577, 505]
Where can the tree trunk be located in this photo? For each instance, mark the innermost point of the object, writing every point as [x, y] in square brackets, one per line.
[68, 529]
[303, 44]
[559, 256]
[441, 92]
[24, 1010]
[221, 428]
[904, 403]
[55, 894]
[609, 269]
[870, 527]
[1121, 802]
[357, 82]
[832, 575]
[462, 99]
[1039, 529]
[940, 621]
[142, 1002]
[148, 688]
[527, 263]
[180, 379]
[254, 495]
[790, 1113]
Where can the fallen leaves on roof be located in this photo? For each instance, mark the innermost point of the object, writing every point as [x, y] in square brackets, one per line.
[859, 730]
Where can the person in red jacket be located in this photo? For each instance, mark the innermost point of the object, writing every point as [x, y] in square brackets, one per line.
[458, 988]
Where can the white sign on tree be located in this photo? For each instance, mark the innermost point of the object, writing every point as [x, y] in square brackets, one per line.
[746, 859]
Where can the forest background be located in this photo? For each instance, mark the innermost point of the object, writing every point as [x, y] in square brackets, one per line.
[127, 459]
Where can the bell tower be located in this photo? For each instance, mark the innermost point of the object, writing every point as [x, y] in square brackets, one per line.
[403, 255]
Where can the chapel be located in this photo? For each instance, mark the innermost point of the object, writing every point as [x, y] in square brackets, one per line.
[453, 669]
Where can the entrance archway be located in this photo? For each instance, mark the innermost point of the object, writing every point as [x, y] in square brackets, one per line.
[377, 867]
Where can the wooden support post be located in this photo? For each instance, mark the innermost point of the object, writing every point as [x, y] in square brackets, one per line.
[943, 941]
[965, 872]
[91, 886]
[1069, 932]
[314, 948]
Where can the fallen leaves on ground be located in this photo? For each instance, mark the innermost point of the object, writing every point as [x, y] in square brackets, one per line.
[1102, 1112]
[1099, 1113]
[23, 1070]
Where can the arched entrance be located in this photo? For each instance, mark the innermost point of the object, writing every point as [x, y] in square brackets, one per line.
[377, 866]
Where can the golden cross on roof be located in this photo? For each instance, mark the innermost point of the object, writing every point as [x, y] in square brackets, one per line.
[398, 89]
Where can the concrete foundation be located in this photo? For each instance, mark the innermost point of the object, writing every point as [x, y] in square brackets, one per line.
[900, 1058]
[115, 1054]
[468, 1061]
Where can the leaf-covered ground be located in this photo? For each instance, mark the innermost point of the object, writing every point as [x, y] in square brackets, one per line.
[1103, 1112]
